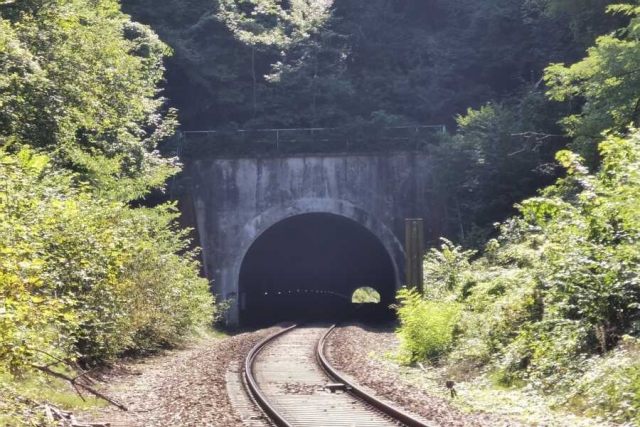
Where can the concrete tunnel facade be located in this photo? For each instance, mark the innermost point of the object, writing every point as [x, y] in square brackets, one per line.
[239, 202]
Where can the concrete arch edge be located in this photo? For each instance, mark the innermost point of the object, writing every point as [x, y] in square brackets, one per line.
[257, 226]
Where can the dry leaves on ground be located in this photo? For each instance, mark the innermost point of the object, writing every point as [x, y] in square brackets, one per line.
[180, 388]
[350, 350]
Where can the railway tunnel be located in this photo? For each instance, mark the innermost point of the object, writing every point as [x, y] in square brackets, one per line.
[251, 218]
[307, 267]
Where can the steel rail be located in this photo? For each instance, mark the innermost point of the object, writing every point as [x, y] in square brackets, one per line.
[262, 400]
[279, 420]
[391, 411]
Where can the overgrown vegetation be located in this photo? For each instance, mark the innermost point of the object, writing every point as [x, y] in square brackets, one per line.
[554, 301]
[365, 65]
[84, 277]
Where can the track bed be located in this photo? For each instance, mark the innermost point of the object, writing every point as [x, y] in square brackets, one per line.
[285, 376]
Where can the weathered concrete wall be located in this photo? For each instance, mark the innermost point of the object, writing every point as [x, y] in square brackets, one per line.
[237, 199]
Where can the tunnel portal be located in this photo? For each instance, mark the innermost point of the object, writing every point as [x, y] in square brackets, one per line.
[308, 266]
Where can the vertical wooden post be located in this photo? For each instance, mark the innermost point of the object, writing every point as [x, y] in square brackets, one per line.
[414, 247]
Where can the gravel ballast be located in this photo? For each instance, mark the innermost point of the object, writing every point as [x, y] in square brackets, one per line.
[185, 387]
[351, 349]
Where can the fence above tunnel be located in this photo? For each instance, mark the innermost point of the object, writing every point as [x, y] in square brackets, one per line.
[306, 140]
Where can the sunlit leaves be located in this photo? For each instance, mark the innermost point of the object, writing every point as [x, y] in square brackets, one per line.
[87, 277]
[269, 23]
[607, 81]
[79, 79]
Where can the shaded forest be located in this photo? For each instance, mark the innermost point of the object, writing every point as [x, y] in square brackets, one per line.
[476, 67]
[328, 63]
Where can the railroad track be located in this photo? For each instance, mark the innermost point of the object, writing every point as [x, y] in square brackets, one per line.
[290, 378]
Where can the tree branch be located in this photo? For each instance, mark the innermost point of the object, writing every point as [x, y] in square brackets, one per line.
[91, 390]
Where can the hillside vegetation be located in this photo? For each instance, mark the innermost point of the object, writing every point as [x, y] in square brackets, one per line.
[84, 277]
[554, 301]
[92, 266]
[363, 65]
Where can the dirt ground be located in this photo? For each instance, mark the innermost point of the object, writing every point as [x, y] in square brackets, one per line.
[185, 387]
[188, 387]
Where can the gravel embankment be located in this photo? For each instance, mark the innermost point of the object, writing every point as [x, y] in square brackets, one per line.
[181, 388]
[350, 349]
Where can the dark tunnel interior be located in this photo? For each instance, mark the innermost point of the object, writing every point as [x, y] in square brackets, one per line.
[308, 266]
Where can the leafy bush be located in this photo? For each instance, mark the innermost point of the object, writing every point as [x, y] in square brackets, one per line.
[81, 276]
[427, 326]
[610, 385]
[550, 299]
[498, 304]
[445, 270]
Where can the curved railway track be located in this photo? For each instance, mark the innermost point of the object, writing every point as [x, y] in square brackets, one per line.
[289, 376]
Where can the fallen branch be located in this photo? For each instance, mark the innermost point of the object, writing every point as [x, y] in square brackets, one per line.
[48, 413]
[85, 375]
[75, 386]
[538, 135]
[72, 381]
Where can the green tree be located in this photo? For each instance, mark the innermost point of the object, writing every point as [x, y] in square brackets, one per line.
[585, 17]
[607, 82]
[88, 278]
[79, 80]
[505, 151]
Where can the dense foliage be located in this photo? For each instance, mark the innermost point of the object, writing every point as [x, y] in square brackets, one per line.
[499, 156]
[362, 65]
[555, 293]
[84, 276]
[554, 300]
[607, 81]
[79, 80]
[327, 63]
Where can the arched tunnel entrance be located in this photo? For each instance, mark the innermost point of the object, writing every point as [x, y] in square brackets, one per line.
[307, 267]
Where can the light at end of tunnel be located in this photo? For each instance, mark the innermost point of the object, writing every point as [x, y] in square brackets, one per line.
[365, 295]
